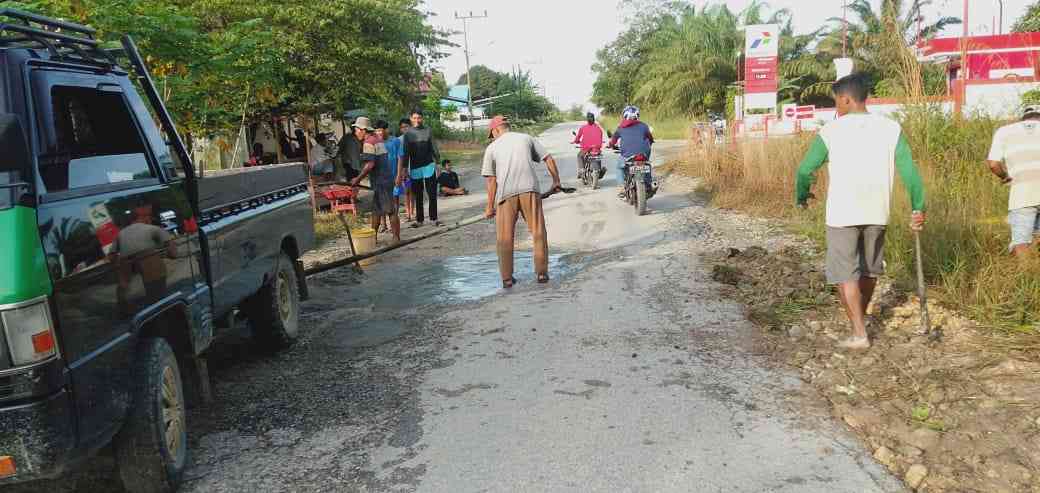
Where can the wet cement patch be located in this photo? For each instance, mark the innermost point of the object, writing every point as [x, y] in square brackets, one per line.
[446, 281]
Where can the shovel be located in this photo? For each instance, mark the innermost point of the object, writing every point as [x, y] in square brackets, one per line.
[555, 191]
[922, 294]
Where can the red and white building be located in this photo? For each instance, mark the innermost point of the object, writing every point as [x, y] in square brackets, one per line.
[994, 74]
[999, 57]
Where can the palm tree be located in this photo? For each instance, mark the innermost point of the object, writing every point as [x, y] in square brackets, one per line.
[877, 40]
[692, 63]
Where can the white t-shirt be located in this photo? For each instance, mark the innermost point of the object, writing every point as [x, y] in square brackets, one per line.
[861, 150]
[511, 159]
[1018, 147]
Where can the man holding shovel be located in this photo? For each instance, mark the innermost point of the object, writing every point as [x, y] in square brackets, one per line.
[512, 190]
[1015, 158]
[864, 152]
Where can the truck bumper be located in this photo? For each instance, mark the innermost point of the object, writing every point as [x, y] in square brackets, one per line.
[40, 436]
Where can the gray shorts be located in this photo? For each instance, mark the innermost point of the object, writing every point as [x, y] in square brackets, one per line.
[383, 201]
[855, 252]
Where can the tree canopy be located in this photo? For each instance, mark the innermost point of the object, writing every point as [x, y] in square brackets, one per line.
[1030, 21]
[215, 59]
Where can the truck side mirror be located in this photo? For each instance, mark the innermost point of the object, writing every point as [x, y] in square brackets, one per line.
[14, 167]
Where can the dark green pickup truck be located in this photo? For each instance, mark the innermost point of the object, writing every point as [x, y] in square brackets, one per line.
[117, 263]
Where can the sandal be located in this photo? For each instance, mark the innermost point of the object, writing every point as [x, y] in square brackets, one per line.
[508, 283]
[543, 278]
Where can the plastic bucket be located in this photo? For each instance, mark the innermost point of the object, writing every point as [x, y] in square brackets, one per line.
[364, 242]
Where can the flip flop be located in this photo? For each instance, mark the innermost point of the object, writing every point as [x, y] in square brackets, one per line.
[543, 278]
[508, 283]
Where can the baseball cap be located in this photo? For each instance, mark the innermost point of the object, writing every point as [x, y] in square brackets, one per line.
[1030, 110]
[496, 122]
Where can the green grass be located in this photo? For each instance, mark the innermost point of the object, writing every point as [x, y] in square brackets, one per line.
[671, 127]
[965, 242]
[327, 227]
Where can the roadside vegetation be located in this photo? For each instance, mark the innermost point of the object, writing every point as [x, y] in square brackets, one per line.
[664, 126]
[965, 243]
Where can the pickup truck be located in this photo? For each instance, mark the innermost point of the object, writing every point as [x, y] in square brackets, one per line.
[117, 263]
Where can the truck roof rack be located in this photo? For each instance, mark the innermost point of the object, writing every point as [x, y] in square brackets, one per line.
[62, 39]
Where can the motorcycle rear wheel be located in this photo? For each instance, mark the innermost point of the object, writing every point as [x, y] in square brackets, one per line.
[640, 196]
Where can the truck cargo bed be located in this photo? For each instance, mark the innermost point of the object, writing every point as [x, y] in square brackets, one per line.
[230, 186]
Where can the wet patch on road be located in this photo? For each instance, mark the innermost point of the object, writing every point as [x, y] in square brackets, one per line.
[464, 389]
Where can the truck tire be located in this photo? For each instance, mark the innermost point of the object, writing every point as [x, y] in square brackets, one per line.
[152, 446]
[274, 311]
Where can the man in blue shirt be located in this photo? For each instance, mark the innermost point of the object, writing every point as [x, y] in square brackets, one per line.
[635, 139]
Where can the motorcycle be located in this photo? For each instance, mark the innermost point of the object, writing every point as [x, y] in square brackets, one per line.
[590, 168]
[718, 124]
[639, 183]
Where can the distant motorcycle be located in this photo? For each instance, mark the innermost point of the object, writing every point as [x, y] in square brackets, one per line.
[718, 124]
[590, 168]
[640, 185]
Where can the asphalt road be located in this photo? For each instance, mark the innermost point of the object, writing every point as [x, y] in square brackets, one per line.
[626, 373]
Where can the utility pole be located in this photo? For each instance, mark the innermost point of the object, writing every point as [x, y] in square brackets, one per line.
[844, 28]
[1000, 22]
[469, 77]
[963, 89]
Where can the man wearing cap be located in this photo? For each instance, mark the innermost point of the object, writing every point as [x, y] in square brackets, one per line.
[1015, 158]
[374, 159]
[513, 190]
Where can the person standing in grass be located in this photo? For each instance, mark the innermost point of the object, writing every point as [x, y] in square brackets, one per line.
[864, 152]
[1015, 158]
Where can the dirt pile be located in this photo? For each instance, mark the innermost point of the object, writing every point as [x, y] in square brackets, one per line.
[960, 414]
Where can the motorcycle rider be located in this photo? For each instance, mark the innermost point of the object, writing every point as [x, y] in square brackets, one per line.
[635, 139]
[589, 137]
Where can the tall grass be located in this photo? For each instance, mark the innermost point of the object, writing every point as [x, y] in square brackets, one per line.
[965, 242]
[665, 127]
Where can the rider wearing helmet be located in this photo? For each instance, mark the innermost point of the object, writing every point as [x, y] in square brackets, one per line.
[590, 137]
[635, 139]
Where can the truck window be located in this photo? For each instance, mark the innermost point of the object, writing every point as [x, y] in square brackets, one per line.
[96, 141]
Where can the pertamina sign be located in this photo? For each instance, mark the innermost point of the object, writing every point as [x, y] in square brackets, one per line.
[761, 49]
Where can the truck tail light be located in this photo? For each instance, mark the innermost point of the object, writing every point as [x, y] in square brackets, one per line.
[30, 333]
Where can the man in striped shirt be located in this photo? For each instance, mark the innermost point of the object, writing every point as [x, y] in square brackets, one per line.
[864, 153]
[1015, 159]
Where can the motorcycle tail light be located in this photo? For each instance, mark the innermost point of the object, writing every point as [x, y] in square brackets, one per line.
[30, 333]
[640, 157]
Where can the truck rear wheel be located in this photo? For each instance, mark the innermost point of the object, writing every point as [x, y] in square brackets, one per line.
[274, 311]
[152, 447]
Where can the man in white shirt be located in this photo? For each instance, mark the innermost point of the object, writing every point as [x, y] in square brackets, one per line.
[1015, 158]
[513, 190]
[864, 152]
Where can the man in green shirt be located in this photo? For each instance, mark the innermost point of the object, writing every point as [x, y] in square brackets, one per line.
[864, 152]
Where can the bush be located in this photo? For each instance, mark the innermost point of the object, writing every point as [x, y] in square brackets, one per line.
[965, 243]
[1031, 97]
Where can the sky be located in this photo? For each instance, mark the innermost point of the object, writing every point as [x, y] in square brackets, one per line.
[557, 39]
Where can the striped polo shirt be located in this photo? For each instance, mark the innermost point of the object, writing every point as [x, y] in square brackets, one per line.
[1018, 147]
